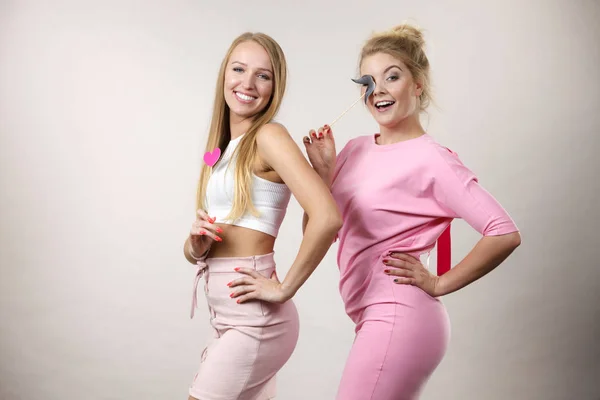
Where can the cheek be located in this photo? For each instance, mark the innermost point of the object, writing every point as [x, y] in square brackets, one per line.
[404, 98]
[230, 82]
[265, 89]
[403, 92]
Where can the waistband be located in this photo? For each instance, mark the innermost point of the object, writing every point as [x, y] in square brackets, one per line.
[227, 264]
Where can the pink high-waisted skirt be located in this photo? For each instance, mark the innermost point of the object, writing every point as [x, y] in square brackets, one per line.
[251, 341]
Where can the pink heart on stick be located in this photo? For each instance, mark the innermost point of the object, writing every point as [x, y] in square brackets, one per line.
[211, 157]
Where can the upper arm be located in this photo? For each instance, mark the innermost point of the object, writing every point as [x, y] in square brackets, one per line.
[341, 158]
[277, 149]
[457, 189]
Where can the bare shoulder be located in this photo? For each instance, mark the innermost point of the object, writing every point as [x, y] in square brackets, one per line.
[276, 147]
[272, 131]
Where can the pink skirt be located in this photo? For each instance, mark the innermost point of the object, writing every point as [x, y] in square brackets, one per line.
[251, 341]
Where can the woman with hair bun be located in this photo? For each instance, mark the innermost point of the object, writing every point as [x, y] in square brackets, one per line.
[398, 190]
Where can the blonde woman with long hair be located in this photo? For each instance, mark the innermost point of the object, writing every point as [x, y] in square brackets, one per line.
[241, 203]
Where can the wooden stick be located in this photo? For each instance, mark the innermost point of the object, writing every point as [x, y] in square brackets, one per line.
[348, 109]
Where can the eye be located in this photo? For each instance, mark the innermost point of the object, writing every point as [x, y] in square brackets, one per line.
[238, 69]
[264, 77]
[393, 78]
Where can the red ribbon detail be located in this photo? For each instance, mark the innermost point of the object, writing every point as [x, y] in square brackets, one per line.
[444, 252]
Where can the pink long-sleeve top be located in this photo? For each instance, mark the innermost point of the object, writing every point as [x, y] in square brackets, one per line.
[401, 197]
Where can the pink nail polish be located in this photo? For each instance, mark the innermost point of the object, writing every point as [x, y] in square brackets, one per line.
[238, 302]
[218, 239]
[236, 269]
[231, 295]
[229, 284]
[387, 271]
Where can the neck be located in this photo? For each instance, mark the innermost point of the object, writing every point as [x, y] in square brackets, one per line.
[408, 128]
[238, 125]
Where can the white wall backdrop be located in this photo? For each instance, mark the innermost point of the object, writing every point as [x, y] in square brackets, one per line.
[103, 113]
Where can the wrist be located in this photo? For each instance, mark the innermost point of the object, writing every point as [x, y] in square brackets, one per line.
[287, 291]
[326, 176]
[193, 254]
[438, 288]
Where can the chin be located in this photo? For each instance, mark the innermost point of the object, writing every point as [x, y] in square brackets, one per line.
[241, 113]
[387, 122]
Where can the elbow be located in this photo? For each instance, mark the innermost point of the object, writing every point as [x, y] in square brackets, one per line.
[510, 241]
[508, 238]
[333, 220]
[336, 218]
[329, 218]
[337, 222]
[505, 243]
[515, 240]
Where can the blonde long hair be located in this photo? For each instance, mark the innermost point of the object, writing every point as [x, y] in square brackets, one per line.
[219, 133]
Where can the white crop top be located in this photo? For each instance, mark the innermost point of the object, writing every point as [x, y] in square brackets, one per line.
[269, 198]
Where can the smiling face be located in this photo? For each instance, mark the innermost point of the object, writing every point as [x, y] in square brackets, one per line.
[396, 94]
[248, 84]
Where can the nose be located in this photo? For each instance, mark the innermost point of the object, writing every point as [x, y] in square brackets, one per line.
[248, 82]
[379, 89]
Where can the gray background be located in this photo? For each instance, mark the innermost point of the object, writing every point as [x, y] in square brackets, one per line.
[103, 112]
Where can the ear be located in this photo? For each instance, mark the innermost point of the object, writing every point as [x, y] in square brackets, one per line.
[418, 88]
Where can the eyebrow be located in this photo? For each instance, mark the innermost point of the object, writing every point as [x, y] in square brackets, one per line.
[245, 65]
[392, 66]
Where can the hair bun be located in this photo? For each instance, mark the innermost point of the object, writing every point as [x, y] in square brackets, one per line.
[409, 32]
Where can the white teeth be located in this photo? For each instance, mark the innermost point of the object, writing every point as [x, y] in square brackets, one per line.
[383, 103]
[244, 97]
